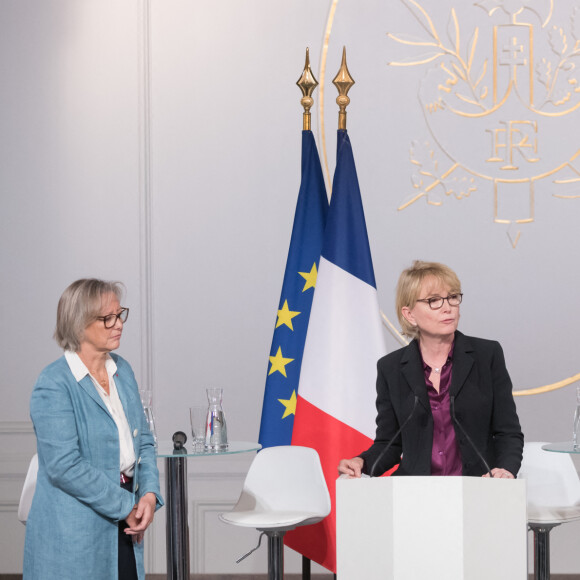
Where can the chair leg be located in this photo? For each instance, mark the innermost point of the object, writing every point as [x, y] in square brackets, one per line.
[542, 550]
[275, 554]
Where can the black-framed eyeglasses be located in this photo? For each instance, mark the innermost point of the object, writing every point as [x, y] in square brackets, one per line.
[437, 301]
[111, 319]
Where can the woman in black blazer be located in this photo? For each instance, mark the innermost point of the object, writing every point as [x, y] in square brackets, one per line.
[444, 402]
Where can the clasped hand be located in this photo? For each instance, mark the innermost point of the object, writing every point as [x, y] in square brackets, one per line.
[141, 517]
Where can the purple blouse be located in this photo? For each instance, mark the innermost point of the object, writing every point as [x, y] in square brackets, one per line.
[445, 455]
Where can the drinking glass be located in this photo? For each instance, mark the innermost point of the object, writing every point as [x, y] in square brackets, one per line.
[198, 416]
[147, 402]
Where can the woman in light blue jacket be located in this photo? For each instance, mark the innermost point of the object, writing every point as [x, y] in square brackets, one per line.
[98, 486]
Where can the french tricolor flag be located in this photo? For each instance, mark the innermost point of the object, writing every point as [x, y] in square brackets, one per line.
[336, 411]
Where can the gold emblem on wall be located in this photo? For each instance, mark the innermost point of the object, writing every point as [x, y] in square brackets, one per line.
[497, 98]
[507, 89]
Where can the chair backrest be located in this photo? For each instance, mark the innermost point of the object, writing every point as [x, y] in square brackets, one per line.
[28, 490]
[287, 477]
[552, 480]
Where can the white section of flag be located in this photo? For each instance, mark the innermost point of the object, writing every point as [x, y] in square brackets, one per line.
[344, 342]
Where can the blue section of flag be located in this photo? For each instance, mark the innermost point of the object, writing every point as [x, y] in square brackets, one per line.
[304, 253]
[346, 241]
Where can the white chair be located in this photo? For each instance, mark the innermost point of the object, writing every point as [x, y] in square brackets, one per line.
[284, 488]
[28, 490]
[553, 496]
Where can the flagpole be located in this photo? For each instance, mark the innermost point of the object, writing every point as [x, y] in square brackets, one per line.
[307, 83]
[342, 81]
[334, 409]
[289, 336]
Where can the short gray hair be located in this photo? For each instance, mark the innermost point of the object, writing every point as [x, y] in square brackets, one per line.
[78, 306]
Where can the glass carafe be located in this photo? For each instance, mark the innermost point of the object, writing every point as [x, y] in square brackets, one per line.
[216, 433]
[147, 402]
[575, 432]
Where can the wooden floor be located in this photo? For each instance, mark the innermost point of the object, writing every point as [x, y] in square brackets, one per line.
[327, 576]
[265, 577]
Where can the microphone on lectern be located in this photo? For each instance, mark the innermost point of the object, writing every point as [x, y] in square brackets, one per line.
[477, 451]
[388, 445]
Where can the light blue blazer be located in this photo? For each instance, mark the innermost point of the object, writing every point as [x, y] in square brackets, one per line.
[72, 529]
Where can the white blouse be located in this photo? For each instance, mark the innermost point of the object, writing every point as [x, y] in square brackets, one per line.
[113, 404]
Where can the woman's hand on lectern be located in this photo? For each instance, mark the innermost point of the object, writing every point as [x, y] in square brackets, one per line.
[498, 472]
[351, 467]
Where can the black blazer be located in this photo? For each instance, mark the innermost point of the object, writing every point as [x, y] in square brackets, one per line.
[484, 406]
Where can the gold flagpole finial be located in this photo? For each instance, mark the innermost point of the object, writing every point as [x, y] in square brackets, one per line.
[307, 84]
[342, 81]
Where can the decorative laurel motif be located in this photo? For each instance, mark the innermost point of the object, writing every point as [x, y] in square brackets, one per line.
[560, 75]
[497, 97]
[434, 181]
[455, 77]
[485, 90]
[461, 80]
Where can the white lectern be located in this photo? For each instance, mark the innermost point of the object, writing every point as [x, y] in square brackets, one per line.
[441, 528]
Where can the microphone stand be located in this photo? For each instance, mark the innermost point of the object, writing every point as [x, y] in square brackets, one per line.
[477, 452]
[390, 443]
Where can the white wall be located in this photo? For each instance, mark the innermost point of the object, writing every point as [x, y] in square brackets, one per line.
[158, 142]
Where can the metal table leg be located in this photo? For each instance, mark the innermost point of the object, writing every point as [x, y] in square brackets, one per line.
[542, 550]
[176, 514]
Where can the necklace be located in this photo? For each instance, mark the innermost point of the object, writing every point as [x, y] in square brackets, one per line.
[434, 368]
[101, 381]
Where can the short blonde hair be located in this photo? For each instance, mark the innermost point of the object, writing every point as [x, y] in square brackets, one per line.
[409, 288]
[78, 306]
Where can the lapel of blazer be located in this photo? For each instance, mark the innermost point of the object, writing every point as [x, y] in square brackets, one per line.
[412, 369]
[88, 387]
[462, 363]
[126, 397]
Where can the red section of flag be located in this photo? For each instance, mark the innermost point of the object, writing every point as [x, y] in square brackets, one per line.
[334, 441]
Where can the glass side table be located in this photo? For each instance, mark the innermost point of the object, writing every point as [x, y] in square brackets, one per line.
[562, 447]
[559, 447]
[177, 529]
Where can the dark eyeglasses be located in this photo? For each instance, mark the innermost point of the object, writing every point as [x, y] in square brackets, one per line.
[437, 301]
[111, 319]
